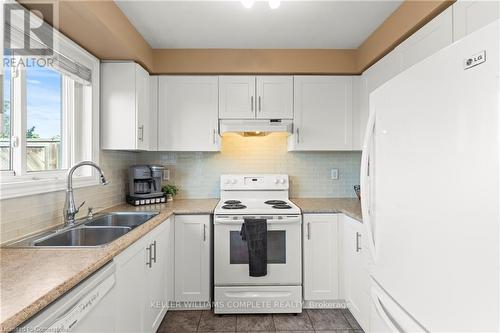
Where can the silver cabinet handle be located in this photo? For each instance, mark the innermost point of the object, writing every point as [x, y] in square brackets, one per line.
[154, 251]
[260, 105]
[298, 135]
[149, 262]
[358, 247]
[141, 131]
[309, 230]
[204, 232]
[214, 136]
[251, 104]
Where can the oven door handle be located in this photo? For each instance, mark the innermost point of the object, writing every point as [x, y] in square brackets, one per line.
[235, 223]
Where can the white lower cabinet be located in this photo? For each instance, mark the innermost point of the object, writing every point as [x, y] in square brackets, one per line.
[355, 270]
[140, 282]
[192, 260]
[321, 252]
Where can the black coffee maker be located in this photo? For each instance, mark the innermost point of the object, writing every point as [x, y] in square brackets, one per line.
[145, 184]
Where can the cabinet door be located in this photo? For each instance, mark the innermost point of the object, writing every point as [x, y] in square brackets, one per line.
[192, 258]
[355, 277]
[118, 101]
[187, 115]
[153, 114]
[471, 15]
[143, 97]
[321, 269]
[170, 265]
[156, 278]
[322, 113]
[274, 97]
[434, 36]
[237, 97]
[131, 287]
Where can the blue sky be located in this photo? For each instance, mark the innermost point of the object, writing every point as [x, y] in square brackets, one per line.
[44, 101]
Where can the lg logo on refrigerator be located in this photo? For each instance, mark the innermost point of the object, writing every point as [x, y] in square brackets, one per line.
[475, 60]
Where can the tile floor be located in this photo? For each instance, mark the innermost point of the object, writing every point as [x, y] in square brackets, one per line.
[337, 320]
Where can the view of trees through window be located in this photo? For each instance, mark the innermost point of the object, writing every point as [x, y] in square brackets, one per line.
[5, 116]
[43, 120]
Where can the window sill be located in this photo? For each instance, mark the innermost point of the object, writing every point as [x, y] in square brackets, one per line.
[21, 188]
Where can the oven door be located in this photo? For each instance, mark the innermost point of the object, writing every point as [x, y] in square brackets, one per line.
[283, 252]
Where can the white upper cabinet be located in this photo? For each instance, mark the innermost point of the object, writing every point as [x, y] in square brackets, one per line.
[432, 37]
[187, 113]
[125, 107]
[322, 113]
[153, 115]
[471, 15]
[236, 97]
[274, 97]
[261, 97]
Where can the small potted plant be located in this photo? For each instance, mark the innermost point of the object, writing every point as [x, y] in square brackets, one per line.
[170, 191]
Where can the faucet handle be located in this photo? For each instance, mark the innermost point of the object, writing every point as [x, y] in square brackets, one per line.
[90, 211]
[78, 209]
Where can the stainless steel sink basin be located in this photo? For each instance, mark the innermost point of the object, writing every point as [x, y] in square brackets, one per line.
[121, 219]
[99, 230]
[83, 236]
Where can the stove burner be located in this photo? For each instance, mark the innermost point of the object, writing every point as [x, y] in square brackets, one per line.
[232, 202]
[234, 206]
[282, 206]
[275, 202]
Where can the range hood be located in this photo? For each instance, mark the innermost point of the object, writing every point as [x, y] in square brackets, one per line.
[255, 126]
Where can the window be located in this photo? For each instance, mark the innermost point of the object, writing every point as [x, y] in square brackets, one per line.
[43, 119]
[5, 134]
[49, 116]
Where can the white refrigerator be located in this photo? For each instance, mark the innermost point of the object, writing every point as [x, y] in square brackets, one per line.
[430, 179]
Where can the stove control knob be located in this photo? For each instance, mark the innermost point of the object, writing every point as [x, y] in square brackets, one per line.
[233, 181]
[283, 181]
[276, 181]
[227, 181]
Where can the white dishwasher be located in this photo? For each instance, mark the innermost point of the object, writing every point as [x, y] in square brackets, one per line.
[88, 307]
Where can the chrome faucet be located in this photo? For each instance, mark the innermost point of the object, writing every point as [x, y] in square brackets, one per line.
[70, 209]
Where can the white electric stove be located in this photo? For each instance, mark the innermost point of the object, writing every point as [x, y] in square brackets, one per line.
[248, 197]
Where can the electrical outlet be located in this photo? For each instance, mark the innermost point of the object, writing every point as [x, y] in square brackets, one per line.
[166, 174]
[334, 174]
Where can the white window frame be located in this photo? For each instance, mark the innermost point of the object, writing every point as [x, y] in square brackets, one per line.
[18, 182]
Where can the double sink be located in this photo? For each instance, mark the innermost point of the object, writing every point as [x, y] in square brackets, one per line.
[95, 231]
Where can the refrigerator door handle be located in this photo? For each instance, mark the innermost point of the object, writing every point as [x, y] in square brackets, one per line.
[394, 317]
[386, 317]
[365, 162]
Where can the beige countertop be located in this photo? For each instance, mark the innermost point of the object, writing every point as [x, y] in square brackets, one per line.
[33, 278]
[349, 206]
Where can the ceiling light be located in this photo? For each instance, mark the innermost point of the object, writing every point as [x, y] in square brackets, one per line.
[274, 4]
[247, 3]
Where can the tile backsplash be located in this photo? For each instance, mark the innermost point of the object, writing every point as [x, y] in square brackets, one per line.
[25, 215]
[197, 174]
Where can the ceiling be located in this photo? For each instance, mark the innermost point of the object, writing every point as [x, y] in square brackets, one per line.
[227, 24]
